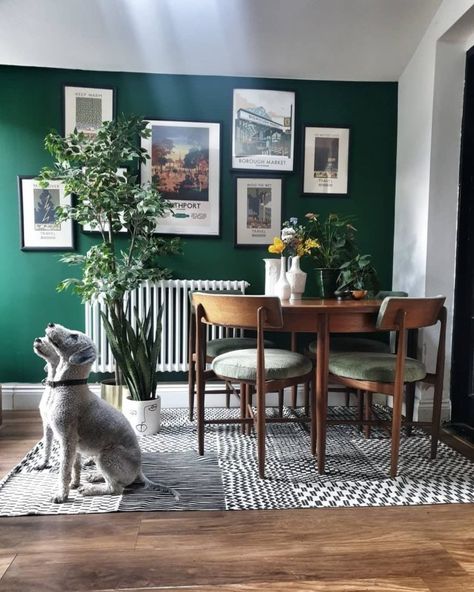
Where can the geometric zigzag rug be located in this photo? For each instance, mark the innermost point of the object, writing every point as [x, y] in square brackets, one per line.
[226, 478]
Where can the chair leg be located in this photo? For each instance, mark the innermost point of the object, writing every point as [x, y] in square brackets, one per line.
[281, 397]
[294, 396]
[191, 389]
[396, 424]
[261, 433]
[243, 407]
[200, 417]
[306, 387]
[360, 408]
[368, 399]
[227, 395]
[409, 405]
[436, 418]
[348, 397]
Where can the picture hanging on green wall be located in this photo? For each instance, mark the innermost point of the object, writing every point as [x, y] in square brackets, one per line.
[326, 160]
[184, 166]
[86, 108]
[40, 229]
[263, 129]
[258, 202]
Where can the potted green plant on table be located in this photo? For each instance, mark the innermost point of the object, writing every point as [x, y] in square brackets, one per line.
[335, 238]
[358, 276]
[110, 199]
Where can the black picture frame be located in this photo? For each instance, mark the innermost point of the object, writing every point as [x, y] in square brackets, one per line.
[44, 234]
[268, 221]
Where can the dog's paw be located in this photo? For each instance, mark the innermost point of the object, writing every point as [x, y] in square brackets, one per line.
[74, 484]
[89, 462]
[59, 498]
[94, 478]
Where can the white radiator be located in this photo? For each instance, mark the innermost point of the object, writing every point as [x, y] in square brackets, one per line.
[174, 296]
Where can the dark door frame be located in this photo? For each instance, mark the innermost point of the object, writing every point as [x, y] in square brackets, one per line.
[462, 368]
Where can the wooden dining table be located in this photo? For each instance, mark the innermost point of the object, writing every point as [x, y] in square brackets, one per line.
[322, 318]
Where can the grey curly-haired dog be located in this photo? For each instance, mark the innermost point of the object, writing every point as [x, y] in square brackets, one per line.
[85, 424]
[45, 350]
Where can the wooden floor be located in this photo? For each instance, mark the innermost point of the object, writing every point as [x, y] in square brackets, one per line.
[423, 549]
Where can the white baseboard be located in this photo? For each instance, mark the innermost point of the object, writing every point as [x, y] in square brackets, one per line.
[175, 394]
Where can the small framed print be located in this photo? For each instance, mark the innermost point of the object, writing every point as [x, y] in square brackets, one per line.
[263, 130]
[258, 210]
[326, 160]
[184, 165]
[39, 227]
[86, 108]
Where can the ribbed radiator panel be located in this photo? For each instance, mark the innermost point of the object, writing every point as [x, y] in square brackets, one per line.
[174, 296]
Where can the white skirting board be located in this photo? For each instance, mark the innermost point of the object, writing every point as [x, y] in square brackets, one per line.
[175, 394]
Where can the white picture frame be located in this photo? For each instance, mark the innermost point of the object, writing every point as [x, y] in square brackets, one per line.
[258, 203]
[39, 228]
[263, 130]
[326, 161]
[184, 165]
[86, 108]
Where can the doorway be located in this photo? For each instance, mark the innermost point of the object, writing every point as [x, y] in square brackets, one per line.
[462, 375]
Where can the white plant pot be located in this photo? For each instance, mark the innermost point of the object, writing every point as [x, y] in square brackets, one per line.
[144, 416]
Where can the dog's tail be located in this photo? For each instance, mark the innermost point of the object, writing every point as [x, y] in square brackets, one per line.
[157, 486]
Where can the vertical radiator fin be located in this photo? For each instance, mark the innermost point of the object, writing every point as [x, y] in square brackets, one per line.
[174, 296]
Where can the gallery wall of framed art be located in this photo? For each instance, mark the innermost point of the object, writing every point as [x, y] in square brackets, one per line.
[369, 111]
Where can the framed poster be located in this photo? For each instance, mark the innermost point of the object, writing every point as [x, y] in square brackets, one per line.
[325, 160]
[263, 130]
[184, 165]
[258, 210]
[86, 108]
[39, 227]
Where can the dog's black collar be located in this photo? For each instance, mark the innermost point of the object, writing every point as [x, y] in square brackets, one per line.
[71, 382]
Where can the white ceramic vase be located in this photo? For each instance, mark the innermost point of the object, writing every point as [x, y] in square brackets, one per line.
[296, 278]
[282, 287]
[272, 273]
[144, 416]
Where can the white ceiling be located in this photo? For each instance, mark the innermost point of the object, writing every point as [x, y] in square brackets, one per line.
[309, 39]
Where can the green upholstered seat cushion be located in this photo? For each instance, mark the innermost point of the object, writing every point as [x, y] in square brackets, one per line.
[359, 344]
[378, 367]
[216, 347]
[279, 364]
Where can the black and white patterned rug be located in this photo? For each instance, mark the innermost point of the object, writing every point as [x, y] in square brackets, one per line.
[226, 478]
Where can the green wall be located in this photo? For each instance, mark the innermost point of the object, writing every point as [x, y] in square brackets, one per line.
[31, 105]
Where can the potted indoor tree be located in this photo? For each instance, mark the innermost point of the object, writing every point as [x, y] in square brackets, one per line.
[101, 172]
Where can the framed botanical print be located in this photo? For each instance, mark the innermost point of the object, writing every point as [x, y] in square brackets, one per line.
[86, 108]
[263, 130]
[325, 160]
[184, 165]
[258, 203]
[40, 229]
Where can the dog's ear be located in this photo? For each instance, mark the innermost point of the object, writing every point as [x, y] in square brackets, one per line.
[84, 356]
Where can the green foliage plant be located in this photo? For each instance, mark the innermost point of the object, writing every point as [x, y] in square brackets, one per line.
[335, 238]
[358, 274]
[101, 172]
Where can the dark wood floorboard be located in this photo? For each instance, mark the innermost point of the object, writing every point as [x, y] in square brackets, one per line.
[399, 549]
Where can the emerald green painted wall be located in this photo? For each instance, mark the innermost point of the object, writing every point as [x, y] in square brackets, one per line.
[31, 105]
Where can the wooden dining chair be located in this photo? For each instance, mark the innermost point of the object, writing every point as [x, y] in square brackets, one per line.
[344, 343]
[387, 373]
[214, 348]
[265, 369]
